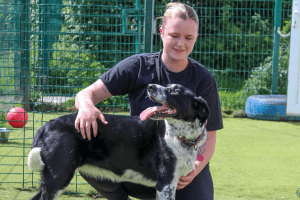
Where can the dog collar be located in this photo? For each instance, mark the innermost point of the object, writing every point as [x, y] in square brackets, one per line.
[192, 142]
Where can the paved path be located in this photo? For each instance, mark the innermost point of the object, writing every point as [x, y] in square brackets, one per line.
[55, 99]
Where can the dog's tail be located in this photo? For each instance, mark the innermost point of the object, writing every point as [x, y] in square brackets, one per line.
[35, 162]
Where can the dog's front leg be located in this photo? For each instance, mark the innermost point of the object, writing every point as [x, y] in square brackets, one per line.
[167, 193]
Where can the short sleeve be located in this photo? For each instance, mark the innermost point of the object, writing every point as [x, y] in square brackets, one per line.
[211, 95]
[121, 79]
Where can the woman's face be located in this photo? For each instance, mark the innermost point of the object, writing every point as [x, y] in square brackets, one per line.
[179, 37]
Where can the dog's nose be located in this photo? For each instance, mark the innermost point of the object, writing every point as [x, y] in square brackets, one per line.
[151, 87]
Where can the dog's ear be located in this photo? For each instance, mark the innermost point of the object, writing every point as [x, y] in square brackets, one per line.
[202, 107]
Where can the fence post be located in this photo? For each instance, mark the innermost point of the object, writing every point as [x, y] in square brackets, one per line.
[50, 23]
[149, 7]
[17, 51]
[276, 41]
[22, 52]
[138, 36]
[25, 53]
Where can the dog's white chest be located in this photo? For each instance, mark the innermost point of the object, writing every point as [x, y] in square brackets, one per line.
[186, 156]
[104, 174]
[185, 159]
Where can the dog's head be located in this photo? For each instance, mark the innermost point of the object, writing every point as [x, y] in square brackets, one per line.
[177, 102]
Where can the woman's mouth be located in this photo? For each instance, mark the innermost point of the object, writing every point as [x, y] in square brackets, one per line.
[179, 50]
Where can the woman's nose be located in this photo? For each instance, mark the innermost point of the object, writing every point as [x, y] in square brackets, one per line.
[179, 42]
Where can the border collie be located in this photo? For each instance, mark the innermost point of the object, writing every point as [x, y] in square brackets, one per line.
[154, 149]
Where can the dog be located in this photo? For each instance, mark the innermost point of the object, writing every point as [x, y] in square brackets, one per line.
[154, 149]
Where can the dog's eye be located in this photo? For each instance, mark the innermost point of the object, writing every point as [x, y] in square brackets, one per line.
[175, 91]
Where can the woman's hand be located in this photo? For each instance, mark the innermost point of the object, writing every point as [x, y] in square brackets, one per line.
[87, 112]
[87, 119]
[185, 180]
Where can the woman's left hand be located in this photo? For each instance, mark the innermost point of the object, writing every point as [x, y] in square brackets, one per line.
[185, 180]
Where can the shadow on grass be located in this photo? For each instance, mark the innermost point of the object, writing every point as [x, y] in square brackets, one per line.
[294, 123]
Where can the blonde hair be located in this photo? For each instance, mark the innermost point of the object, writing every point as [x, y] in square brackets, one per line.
[181, 10]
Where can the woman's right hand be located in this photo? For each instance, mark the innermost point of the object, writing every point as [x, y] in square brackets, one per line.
[87, 112]
[87, 119]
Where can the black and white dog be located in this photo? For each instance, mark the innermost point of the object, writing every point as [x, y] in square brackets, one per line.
[153, 152]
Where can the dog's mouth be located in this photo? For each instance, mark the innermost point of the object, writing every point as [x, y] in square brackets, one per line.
[158, 112]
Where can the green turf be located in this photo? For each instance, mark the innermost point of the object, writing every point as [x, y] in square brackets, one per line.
[253, 160]
[257, 160]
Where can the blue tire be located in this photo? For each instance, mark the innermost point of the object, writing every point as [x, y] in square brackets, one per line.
[268, 107]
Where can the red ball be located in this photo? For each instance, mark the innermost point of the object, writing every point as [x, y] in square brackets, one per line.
[17, 117]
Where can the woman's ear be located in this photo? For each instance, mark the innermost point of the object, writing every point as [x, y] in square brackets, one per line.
[161, 31]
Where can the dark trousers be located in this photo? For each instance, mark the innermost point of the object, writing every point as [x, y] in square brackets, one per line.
[201, 188]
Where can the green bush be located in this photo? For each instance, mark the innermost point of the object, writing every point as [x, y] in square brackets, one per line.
[260, 80]
[3, 121]
[232, 100]
[259, 83]
[79, 68]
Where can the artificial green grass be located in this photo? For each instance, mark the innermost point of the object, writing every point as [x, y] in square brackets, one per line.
[253, 160]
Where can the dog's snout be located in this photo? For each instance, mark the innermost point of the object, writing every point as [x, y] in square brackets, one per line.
[151, 87]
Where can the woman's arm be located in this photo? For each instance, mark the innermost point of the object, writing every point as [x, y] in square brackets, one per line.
[208, 149]
[87, 112]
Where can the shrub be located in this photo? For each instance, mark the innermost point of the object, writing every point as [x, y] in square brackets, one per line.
[260, 80]
[232, 100]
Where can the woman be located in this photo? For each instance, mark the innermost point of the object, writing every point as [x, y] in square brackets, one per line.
[179, 31]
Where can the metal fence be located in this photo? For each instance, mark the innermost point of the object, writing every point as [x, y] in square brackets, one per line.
[51, 49]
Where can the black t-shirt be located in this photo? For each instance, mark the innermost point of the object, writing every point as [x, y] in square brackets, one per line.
[132, 76]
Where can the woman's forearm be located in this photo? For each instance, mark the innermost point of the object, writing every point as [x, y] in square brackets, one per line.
[206, 150]
[92, 95]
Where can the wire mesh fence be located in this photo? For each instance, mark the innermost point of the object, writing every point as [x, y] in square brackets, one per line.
[51, 49]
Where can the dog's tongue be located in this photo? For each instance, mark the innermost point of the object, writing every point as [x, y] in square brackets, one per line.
[146, 114]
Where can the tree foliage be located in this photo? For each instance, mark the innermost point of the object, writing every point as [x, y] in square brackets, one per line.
[234, 38]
